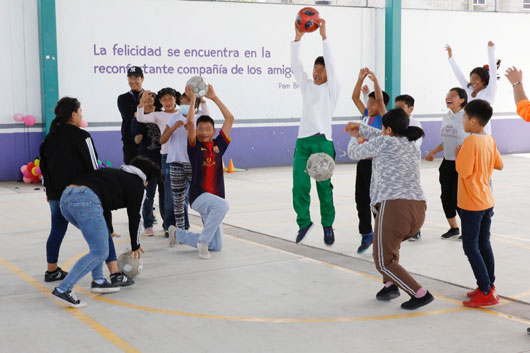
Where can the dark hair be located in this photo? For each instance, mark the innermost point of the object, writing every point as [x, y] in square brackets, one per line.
[205, 119]
[398, 121]
[461, 94]
[170, 91]
[386, 97]
[480, 110]
[150, 169]
[320, 61]
[197, 100]
[405, 98]
[484, 73]
[63, 111]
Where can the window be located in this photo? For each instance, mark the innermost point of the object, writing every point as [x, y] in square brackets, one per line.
[479, 2]
[526, 4]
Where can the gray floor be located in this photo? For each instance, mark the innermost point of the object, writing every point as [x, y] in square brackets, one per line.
[262, 293]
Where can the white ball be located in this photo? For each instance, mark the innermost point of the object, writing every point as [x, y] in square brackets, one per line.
[320, 166]
[198, 86]
[129, 265]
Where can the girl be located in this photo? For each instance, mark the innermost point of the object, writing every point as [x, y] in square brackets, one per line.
[397, 197]
[479, 86]
[453, 135]
[167, 98]
[69, 145]
[87, 202]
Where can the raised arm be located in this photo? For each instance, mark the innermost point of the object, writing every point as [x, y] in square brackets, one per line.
[378, 94]
[140, 116]
[296, 64]
[227, 115]
[516, 79]
[458, 73]
[492, 63]
[356, 95]
[190, 119]
[333, 78]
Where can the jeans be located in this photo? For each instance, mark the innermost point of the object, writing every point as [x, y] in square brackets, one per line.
[82, 207]
[169, 216]
[213, 210]
[477, 247]
[147, 211]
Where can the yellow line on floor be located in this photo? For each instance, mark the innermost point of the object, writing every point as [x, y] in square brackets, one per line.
[80, 315]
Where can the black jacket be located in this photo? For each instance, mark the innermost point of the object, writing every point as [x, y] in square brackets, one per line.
[64, 155]
[117, 189]
[127, 104]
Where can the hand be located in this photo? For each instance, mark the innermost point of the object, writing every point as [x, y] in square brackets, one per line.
[429, 157]
[513, 75]
[144, 98]
[363, 73]
[457, 150]
[352, 128]
[322, 28]
[449, 50]
[178, 124]
[491, 44]
[137, 253]
[365, 89]
[298, 33]
[190, 94]
[115, 235]
[211, 93]
[372, 76]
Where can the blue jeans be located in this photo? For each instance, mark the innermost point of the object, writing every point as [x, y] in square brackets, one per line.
[58, 231]
[82, 207]
[213, 210]
[477, 247]
[169, 215]
[147, 211]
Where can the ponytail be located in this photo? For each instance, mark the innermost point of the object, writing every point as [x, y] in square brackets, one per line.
[398, 121]
[414, 133]
[64, 109]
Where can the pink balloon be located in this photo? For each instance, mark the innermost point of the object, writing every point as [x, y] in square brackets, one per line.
[29, 120]
[27, 173]
[27, 180]
[23, 168]
[84, 123]
[18, 117]
[37, 171]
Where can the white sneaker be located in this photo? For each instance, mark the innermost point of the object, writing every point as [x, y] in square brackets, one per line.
[172, 230]
[203, 250]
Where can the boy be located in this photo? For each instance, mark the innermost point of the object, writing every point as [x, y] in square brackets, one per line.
[314, 135]
[406, 103]
[207, 190]
[475, 161]
[371, 115]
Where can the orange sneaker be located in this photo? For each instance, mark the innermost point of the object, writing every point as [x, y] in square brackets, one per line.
[474, 292]
[480, 299]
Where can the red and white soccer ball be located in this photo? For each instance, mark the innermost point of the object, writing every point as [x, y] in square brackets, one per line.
[307, 19]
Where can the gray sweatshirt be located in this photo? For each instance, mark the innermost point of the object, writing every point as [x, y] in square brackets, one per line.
[395, 165]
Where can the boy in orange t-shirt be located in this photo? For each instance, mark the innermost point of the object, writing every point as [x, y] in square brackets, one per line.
[475, 161]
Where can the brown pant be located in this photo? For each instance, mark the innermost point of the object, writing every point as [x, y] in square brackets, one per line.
[396, 221]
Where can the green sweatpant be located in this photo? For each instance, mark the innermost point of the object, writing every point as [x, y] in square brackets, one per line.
[305, 147]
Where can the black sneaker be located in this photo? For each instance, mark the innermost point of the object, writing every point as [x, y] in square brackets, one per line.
[166, 234]
[388, 293]
[329, 236]
[415, 303]
[57, 275]
[416, 237]
[528, 330]
[68, 298]
[451, 233]
[120, 280]
[105, 287]
[302, 232]
[460, 238]
[365, 242]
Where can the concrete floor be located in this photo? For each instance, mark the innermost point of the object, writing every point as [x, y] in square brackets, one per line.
[263, 293]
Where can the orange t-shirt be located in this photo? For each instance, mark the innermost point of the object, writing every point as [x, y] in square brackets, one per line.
[523, 109]
[474, 164]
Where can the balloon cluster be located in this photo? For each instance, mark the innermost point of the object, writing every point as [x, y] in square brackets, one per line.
[106, 164]
[29, 120]
[31, 172]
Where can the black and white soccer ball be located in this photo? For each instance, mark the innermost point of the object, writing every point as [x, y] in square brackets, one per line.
[320, 166]
[198, 86]
[129, 265]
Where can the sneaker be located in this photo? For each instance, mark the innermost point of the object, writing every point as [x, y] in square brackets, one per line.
[57, 275]
[166, 234]
[302, 232]
[415, 303]
[120, 280]
[451, 233]
[203, 250]
[365, 242]
[416, 237]
[149, 231]
[68, 298]
[105, 287]
[481, 299]
[172, 230]
[528, 330]
[474, 292]
[460, 238]
[329, 236]
[388, 293]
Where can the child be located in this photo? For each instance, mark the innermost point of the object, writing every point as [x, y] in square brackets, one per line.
[371, 115]
[207, 192]
[319, 96]
[87, 203]
[168, 98]
[479, 86]
[453, 134]
[177, 157]
[521, 100]
[475, 161]
[406, 102]
[396, 195]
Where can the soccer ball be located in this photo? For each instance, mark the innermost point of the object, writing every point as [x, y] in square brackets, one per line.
[320, 166]
[307, 19]
[198, 86]
[129, 265]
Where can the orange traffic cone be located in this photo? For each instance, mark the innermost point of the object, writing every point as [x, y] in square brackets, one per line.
[231, 168]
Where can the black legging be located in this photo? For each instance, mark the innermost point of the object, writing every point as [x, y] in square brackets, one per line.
[449, 183]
